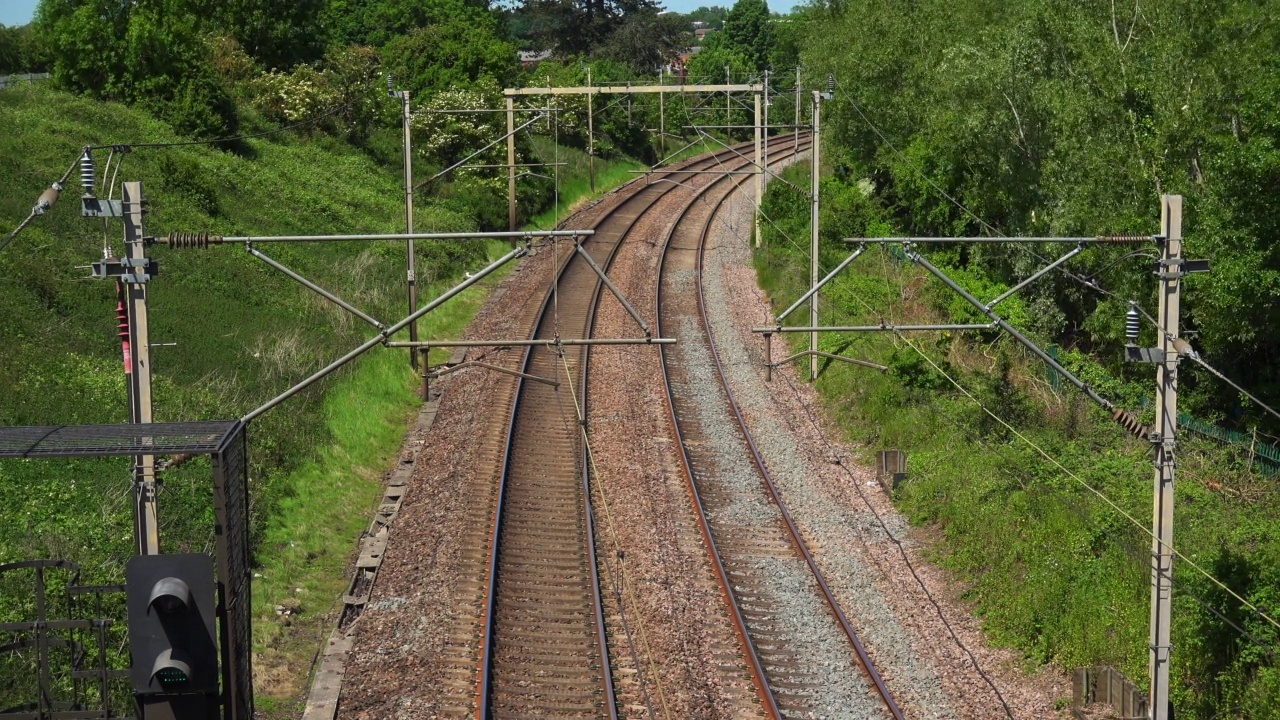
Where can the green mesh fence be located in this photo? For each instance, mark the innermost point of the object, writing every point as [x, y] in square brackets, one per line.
[1268, 454]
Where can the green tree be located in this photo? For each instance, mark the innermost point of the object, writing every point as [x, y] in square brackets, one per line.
[21, 51]
[646, 40]
[378, 22]
[708, 65]
[713, 16]
[749, 33]
[574, 27]
[150, 52]
[1070, 118]
[458, 46]
[276, 33]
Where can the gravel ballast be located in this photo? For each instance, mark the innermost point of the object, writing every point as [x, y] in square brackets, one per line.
[928, 647]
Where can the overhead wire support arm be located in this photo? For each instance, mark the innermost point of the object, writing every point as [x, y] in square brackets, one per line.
[468, 158]
[314, 287]
[625, 90]
[830, 356]
[202, 240]
[383, 335]
[1078, 249]
[549, 342]
[613, 289]
[1004, 325]
[803, 298]
[884, 327]
[496, 368]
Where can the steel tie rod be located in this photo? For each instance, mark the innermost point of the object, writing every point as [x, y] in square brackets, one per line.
[314, 287]
[382, 336]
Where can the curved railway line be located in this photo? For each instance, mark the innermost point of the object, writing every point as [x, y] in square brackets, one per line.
[539, 647]
[544, 651]
[784, 652]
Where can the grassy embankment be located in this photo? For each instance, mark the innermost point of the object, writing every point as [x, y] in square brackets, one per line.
[1054, 571]
[243, 334]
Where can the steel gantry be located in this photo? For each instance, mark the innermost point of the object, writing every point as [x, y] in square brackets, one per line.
[591, 90]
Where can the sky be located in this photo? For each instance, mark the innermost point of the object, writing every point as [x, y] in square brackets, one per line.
[19, 12]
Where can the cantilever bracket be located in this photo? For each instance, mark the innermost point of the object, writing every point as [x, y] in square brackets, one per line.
[613, 289]
[495, 368]
[314, 287]
[843, 264]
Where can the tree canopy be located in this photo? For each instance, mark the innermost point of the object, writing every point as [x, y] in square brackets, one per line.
[150, 51]
[747, 32]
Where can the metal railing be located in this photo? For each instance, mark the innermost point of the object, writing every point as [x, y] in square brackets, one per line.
[7, 80]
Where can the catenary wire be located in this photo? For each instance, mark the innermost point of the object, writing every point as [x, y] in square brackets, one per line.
[1083, 483]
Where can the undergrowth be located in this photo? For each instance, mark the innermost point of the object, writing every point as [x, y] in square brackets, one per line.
[1053, 570]
[231, 333]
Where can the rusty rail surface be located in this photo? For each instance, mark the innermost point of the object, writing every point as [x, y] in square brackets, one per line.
[761, 671]
[544, 651]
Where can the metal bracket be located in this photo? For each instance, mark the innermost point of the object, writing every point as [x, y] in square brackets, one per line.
[130, 270]
[97, 207]
[1180, 267]
[1133, 353]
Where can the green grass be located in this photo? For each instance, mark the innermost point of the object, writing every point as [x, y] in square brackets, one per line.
[310, 540]
[1054, 572]
[243, 333]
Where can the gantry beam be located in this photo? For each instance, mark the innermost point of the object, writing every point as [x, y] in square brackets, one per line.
[629, 89]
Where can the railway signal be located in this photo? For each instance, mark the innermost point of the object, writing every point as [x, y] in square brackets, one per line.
[174, 650]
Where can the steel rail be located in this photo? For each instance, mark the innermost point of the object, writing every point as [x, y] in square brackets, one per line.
[764, 691]
[484, 682]
[864, 658]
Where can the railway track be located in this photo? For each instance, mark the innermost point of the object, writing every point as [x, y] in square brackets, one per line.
[542, 647]
[795, 636]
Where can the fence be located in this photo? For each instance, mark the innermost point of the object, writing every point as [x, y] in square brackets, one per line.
[1266, 454]
[1105, 684]
[7, 80]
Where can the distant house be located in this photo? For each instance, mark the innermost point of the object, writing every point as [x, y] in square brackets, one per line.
[530, 58]
[701, 32]
[678, 66]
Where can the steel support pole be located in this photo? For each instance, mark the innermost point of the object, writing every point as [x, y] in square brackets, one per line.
[411, 255]
[511, 163]
[381, 337]
[1166, 427]
[728, 97]
[765, 130]
[797, 135]
[759, 168]
[591, 134]
[662, 118]
[138, 368]
[814, 178]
